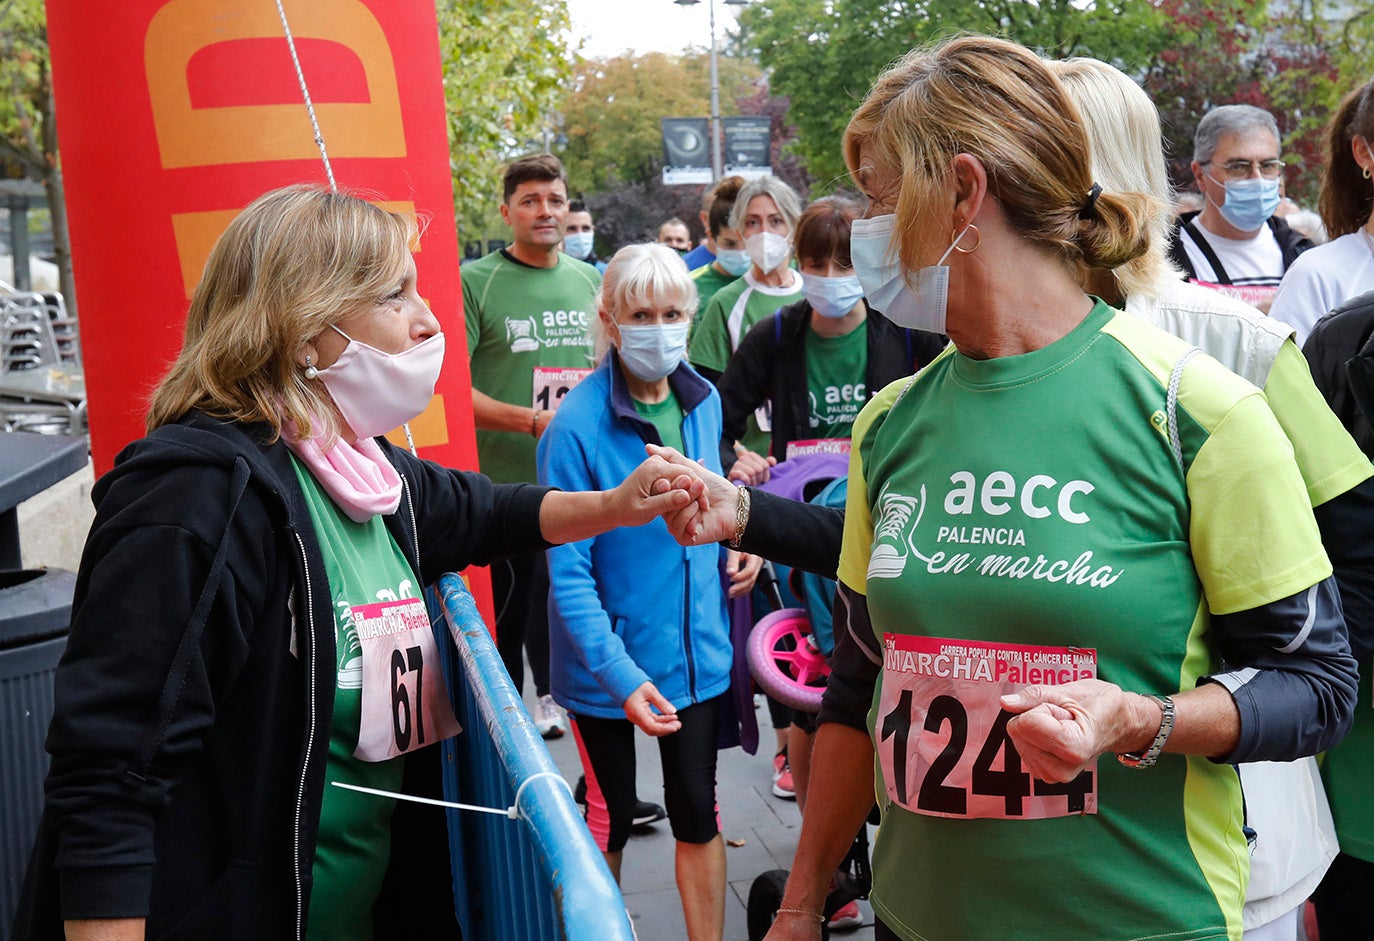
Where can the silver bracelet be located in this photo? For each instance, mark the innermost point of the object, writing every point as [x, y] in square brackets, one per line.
[1139, 761]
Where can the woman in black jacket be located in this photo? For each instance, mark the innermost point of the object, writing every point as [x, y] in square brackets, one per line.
[249, 587]
[817, 360]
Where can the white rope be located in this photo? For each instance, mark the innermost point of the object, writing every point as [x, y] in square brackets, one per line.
[499, 811]
[1171, 406]
[534, 777]
[305, 93]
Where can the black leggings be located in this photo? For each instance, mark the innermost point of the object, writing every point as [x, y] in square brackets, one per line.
[1342, 899]
[607, 747]
[520, 591]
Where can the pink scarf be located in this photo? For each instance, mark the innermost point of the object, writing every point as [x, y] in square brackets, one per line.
[359, 479]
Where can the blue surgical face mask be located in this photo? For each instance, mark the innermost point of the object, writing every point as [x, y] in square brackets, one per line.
[578, 244]
[1249, 203]
[884, 279]
[832, 297]
[733, 260]
[652, 351]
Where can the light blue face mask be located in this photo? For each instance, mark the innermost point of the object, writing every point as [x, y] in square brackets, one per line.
[885, 283]
[832, 297]
[1249, 203]
[652, 351]
[578, 244]
[733, 260]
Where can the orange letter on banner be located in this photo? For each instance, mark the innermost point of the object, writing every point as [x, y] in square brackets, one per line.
[191, 137]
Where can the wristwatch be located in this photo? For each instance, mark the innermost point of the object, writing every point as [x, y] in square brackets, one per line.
[1140, 760]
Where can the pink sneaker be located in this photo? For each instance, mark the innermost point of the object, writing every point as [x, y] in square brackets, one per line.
[846, 917]
[782, 778]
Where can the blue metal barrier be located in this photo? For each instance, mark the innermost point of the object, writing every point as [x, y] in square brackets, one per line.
[539, 875]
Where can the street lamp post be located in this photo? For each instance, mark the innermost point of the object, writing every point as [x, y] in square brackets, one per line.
[717, 165]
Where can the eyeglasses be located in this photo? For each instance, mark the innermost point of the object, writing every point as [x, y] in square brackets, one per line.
[1245, 169]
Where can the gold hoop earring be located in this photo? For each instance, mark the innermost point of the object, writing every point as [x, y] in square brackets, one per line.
[959, 237]
[1364, 171]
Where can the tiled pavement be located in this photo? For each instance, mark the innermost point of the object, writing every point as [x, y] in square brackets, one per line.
[749, 812]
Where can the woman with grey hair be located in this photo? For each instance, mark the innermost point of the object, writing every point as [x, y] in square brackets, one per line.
[638, 632]
[765, 215]
[1236, 244]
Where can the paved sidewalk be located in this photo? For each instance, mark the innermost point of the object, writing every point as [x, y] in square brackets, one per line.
[749, 812]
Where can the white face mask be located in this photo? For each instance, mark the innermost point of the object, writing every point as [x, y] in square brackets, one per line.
[578, 244]
[734, 260]
[832, 297]
[376, 391]
[653, 351]
[885, 283]
[768, 250]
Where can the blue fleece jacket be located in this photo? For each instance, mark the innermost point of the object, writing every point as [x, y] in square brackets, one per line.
[631, 605]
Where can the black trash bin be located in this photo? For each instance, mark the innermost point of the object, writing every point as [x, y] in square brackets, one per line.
[35, 606]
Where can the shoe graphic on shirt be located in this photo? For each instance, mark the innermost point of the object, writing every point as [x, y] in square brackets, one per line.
[892, 536]
[521, 336]
[350, 669]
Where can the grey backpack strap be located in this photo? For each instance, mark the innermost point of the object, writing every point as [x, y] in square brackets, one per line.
[1171, 405]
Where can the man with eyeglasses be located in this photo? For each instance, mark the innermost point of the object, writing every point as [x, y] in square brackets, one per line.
[1236, 244]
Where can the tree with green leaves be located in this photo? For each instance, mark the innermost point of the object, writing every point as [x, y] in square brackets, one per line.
[506, 66]
[614, 150]
[28, 129]
[1245, 52]
[612, 112]
[825, 54]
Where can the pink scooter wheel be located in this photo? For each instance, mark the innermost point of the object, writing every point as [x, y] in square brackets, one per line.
[785, 660]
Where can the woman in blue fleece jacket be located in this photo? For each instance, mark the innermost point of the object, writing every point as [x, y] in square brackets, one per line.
[638, 630]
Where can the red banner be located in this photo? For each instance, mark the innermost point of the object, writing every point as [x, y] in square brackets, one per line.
[175, 114]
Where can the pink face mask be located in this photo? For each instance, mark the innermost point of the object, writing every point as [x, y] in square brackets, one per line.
[376, 391]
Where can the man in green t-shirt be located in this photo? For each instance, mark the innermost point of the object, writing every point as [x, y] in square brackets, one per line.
[527, 310]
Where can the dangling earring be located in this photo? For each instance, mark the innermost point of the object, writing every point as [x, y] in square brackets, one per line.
[310, 371]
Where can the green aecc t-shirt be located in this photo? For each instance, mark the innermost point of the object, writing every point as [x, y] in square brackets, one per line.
[1035, 500]
[520, 318]
[353, 848]
[667, 417]
[835, 369]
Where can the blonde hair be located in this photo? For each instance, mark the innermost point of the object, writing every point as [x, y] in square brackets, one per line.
[999, 102]
[638, 276]
[297, 260]
[1127, 156]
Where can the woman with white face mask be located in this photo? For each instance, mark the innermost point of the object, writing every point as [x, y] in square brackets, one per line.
[818, 358]
[251, 583]
[765, 216]
[638, 632]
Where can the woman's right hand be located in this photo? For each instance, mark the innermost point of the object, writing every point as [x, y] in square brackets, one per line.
[640, 709]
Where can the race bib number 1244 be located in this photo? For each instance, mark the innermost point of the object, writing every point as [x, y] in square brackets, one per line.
[942, 733]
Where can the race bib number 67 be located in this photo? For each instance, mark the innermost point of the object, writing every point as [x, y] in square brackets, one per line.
[405, 700]
[942, 734]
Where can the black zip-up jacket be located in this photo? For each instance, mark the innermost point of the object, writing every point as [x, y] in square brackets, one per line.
[1292, 243]
[1340, 350]
[195, 803]
[770, 364]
